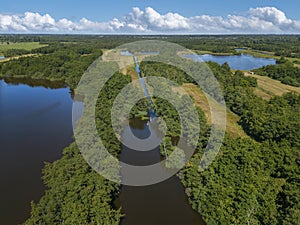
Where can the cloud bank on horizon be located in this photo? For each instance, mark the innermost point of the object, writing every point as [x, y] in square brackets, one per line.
[261, 20]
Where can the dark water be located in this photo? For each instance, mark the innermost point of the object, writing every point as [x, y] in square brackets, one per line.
[35, 125]
[237, 62]
[160, 204]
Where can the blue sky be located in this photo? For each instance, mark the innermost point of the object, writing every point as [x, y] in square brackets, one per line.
[106, 10]
[152, 16]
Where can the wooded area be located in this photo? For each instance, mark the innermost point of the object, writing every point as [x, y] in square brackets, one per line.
[253, 180]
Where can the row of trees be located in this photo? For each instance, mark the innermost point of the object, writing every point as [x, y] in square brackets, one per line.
[282, 45]
[285, 72]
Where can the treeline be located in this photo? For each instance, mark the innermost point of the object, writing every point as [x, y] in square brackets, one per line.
[281, 45]
[4, 38]
[66, 62]
[285, 72]
[16, 52]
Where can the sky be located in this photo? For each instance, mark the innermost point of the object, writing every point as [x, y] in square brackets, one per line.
[150, 17]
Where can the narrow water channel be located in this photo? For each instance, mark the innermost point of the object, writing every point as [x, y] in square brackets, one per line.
[164, 203]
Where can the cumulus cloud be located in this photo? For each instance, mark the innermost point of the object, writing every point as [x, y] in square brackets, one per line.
[147, 21]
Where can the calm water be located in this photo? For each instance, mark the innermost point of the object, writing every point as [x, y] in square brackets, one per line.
[2, 57]
[237, 62]
[36, 124]
[163, 204]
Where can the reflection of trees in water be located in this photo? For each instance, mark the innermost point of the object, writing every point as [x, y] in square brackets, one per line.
[35, 82]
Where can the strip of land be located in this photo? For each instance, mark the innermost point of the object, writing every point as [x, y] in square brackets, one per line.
[268, 87]
[232, 126]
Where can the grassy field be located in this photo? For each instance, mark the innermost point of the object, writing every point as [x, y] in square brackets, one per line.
[20, 45]
[115, 56]
[199, 52]
[268, 87]
[232, 126]
[17, 57]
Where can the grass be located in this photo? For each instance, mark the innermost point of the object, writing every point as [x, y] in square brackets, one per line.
[268, 87]
[262, 93]
[232, 126]
[130, 70]
[20, 45]
[259, 54]
[200, 52]
[17, 57]
[115, 56]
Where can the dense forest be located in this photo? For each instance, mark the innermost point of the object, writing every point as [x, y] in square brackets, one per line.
[253, 180]
[76, 194]
[66, 62]
[259, 180]
[281, 45]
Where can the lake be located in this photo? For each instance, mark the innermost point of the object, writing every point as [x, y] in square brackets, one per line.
[236, 62]
[36, 125]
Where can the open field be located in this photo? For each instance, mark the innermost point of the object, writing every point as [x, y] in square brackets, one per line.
[232, 126]
[268, 87]
[20, 45]
[115, 56]
[17, 57]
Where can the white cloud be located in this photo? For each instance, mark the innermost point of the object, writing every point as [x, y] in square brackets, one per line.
[256, 20]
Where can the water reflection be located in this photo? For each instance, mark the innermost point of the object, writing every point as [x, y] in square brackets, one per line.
[35, 82]
[164, 203]
[36, 125]
[237, 62]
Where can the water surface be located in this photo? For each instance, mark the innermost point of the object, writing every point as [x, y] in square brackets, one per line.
[237, 62]
[164, 203]
[36, 125]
